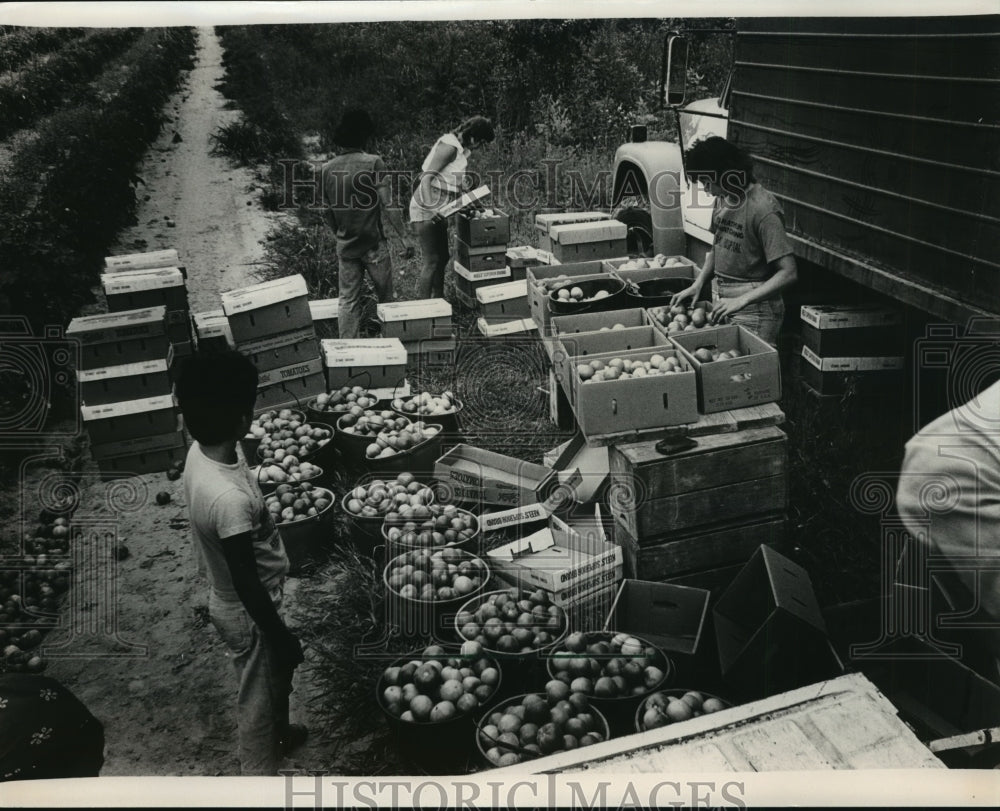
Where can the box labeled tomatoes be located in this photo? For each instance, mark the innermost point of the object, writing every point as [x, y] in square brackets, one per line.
[305, 368]
[372, 363]
[286, 349]
[561, 558]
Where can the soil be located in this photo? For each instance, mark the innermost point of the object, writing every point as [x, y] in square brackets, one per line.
[161, 682]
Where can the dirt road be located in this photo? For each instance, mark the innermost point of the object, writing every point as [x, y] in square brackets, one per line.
[160, 681]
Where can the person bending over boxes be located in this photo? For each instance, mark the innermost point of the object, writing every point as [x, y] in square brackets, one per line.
[240, 552]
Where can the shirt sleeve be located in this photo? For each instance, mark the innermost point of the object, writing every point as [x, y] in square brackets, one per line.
[232, 514]
[774, 242]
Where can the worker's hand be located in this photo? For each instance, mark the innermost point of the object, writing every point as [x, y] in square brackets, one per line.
[726, 307]
[437, 219]
[691, 292]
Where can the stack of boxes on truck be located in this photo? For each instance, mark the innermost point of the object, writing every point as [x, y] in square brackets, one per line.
[851, 346]
[151, 279]
[480, 252]
[272, 324]
[126, 385]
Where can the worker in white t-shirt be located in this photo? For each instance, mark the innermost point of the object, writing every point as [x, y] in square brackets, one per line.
[443, 179]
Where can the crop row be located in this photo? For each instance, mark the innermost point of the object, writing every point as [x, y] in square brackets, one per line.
[69, 192]
[18, 45]
[44, 87]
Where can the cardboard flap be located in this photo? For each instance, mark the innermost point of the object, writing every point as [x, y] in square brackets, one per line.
[412, 310]
[326, 309]
[501, 519]
[531, 545]
[371, 352]
[466, 200]
[264, 294]
[139, 280]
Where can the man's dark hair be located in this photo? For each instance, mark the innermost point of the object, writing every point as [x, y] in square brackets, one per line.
[476, 127]
[215, 392]
[716, 158]
[355, 129]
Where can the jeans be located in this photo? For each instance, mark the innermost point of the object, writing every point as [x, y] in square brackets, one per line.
[262, 699]
[434, 251]
[763, 318]
[351, 277]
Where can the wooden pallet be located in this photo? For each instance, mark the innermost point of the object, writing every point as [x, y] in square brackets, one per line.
[724, 422]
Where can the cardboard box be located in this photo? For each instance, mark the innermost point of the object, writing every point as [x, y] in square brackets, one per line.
[304, 368]
[580, 241]
[137, 289]
[433, 353]
[269, 308]
[130, 381]
[481, 257]
[672, 618]
[828, 376]
[634, 404]
[115, 339]
[294, 392]
[179, 326]
[130, 419]
[522, 257]
[595, 322]
[158, 461]
[723, 385]
[525, 520]
[146, 260]
[286, 349]
[573, 349]
[144, 444]
[544, 223]
[508, 326]
[504, 301]
[326, 317]
[476, 231]
[592, 462]
[589, 611]
[467, 282]
[560, 557]
[212, 331]
[483, 477]
[470, 198]
[770, 633]
[852, 330]
[415, 320]
[372, 363]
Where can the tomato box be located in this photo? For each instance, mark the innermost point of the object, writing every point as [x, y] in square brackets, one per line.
[575, 348]
[481, 257]
[146, 260]
[212, 331]
[143, 444]
[114, 339]
[130, 381]
[545, 222]
[293, 391]
[563, 558]
[847, 330]
[484, 477]
[370, 363]
[269, 308]
[597, 322]
[134, 290]
[580, 241]
[635, 403]
[543, 278]
[468, 282]
[752, 379]
[304, 368]
[130, 419]
[668, 616]
[434, 353]
[287, 349]
[326, 317]
[475, 228]
[835, 375]
[507, 300]
[415, 320]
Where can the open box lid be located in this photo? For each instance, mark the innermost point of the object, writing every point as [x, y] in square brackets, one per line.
[468, 199]
[264, 294]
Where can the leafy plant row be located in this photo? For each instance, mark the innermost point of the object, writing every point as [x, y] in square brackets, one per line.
[18, 45]
[69, 192]
[44, 87]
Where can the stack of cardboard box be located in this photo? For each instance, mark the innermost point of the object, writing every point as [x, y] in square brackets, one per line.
[151, 279]
[423, 326]
[126, 385]
[505, 307]
[272, 324]
[858, 346]
[480, 253]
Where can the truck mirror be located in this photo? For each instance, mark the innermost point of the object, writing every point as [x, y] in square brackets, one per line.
[673, 80]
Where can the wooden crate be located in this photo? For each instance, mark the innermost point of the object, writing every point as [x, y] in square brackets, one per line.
[725, 477]
[700, 549]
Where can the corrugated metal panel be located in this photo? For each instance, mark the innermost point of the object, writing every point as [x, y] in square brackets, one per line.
[882, 137]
